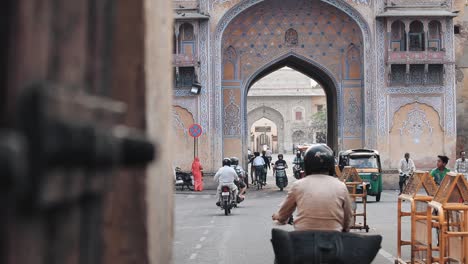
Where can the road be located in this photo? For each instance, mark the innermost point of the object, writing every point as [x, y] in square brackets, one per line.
[203, 234]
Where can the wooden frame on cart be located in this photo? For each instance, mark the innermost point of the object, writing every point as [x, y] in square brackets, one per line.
[351, 178]
[448, 214]
[419, 242]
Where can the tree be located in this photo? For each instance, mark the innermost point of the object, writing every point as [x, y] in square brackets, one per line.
[318, 126]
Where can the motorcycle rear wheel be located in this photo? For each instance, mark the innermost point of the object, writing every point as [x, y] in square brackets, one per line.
[226, 208]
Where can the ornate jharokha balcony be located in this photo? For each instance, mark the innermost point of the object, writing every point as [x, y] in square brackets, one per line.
[412, 57]
[183, 60]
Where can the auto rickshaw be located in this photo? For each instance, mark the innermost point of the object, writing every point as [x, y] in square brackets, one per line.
[367, 164]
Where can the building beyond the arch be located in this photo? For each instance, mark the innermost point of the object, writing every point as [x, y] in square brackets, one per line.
[397, 82]
[289, 99]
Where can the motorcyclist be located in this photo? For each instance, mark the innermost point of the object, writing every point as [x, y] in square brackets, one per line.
[258, 164]
[226, 176]
[242, 177]
[318, 208]
[280, 162]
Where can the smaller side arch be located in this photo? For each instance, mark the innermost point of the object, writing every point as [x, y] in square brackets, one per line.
[271, 114]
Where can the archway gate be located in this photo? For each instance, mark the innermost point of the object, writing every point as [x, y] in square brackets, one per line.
[310, 36]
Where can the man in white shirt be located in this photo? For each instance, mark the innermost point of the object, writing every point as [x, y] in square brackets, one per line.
[259, 166]
[461, 165]
[226, 176]
[405, 169]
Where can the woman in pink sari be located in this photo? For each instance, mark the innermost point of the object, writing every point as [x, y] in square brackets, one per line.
[197, 174]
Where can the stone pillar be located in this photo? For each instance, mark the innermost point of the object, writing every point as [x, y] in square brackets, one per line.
[159, 182]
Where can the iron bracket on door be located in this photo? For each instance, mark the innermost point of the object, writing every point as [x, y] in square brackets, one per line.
[60, 133]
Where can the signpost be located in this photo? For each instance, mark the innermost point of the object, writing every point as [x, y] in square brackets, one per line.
[195, 131]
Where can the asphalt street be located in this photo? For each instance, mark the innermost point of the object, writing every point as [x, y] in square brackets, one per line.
[203, 234]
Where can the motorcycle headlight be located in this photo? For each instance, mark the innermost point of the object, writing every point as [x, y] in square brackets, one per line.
[374, 177]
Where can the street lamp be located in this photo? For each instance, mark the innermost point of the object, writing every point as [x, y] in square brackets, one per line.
[196, 88]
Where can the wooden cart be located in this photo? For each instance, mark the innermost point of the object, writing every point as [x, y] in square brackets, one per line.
[448, 216]
[419, 190]
[351, 178]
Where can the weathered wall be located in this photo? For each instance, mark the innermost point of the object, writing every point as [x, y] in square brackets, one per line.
[461, 49]
[182, 119]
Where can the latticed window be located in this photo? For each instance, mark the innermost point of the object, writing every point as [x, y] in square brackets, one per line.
[398, 76]
[434, 36]
[185, 78]
[417, 74]
[416, 36]
[435, 74]
[398, 42]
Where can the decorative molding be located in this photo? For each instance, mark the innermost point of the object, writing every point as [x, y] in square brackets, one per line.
[232, 124]
[368, 62]
[395, 103]
[415, 90]
[415, 124]
[353, 116]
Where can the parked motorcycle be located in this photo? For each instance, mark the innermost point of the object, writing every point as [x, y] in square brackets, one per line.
[183, 179]
[298, 172]
[281, 177]
[226, 200]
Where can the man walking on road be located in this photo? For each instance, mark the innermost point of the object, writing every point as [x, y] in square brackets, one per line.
[461, 165]
[405, 169]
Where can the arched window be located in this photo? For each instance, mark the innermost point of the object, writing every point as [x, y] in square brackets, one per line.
[416, 36]
[434, 36]
[230, 64]
[186, 39]
[353, 63]
[398, 38]
[299, 114]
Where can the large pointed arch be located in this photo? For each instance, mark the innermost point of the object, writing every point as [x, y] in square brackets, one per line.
[313, 70]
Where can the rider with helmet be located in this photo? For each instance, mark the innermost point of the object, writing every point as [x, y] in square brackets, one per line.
[242, 178]
[226, 176]
[321, 200]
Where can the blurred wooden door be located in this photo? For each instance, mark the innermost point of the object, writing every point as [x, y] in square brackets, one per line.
[96, 46]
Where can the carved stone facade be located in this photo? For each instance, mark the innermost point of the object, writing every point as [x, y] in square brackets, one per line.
[370, 73]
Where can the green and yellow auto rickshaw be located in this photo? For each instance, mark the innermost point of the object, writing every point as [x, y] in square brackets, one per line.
[367, 164]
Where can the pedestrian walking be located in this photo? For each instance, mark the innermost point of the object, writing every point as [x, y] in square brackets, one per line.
[461, 165]
[439, 173]
[197, 170]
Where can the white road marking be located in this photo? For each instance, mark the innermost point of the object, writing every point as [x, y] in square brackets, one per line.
[387, 256]
[193, 256]
[206, 232]
[198, 246]
[190, 196]
[202, 239]
[206, 196]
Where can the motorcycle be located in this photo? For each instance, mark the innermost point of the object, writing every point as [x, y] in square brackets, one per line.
[183, 179]
[281, 177]
[226, 200]
[260, 176]
[298, 172]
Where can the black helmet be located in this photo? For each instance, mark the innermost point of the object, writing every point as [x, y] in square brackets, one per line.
[318, 159]
[280, 156]
[226, 162]
[234, 161]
